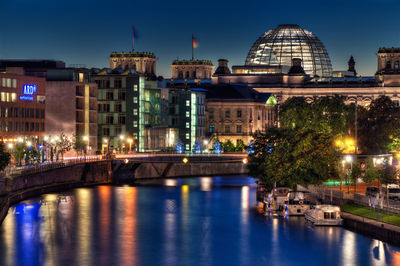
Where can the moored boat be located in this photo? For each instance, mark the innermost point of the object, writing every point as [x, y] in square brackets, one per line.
[324, 215]
[276, 199]
[296, 203]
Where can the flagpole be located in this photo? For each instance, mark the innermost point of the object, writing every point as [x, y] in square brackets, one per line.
[192, 48]
[133, 38]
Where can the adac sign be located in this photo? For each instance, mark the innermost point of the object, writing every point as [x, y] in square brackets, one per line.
[28, 90]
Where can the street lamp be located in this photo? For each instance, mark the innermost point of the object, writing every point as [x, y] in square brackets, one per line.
[121, 138]
[130, 140]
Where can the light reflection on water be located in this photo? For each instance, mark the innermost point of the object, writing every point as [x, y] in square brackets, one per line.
[194, 221]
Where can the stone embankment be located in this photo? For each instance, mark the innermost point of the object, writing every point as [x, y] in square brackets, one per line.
[13, 190]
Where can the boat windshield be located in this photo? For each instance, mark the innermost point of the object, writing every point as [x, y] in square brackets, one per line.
[394, 190]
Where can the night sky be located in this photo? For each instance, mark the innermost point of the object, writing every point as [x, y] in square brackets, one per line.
[87, 31]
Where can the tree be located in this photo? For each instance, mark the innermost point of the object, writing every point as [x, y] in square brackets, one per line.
[371, 173]
[19, 153]
[4, 157]
[355, 173]
[379, 126]
[290, 157]
[197, 147]
[217, 147]
[179, 147]
[228, 146]
[328, 115]
[240, 147]
[63, 144]
[78, 143]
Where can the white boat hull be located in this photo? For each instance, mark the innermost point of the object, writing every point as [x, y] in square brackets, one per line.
[328, 222]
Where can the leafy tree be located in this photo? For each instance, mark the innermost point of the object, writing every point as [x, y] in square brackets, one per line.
[371, 172]
[355, 173]
[4, 157]
[289, 157]
[217, 147]
[328, 115]
[63, 144]
[240, 147]
[19, 153]
[228, 146]
[197, 147]
[379, 126]
[179, 148]
[78, 143]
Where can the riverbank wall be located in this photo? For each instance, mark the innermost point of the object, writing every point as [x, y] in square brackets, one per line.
[13, 190]
[372, 228]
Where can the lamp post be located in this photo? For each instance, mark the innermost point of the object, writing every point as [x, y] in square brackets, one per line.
[130, 140]
[348, 159]
[86, 138]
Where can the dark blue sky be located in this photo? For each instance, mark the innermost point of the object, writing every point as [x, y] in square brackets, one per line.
[86, 31]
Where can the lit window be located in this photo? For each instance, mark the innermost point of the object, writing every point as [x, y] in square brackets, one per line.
[187, 114]
[3, 82]
[80, 77]
[134, 123]
[3, 96]
[187, 103]
[187, 147]
[9, 83]
[134, 111]
[13, 97]
[134, 99]
[14, 83]
[135, 87]
[187, 136]
[8, 97]
[187, 125]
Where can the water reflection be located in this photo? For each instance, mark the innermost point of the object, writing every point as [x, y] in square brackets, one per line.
[203, 221]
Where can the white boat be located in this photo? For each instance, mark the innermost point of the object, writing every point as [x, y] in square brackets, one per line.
[276, 199]
[296, 203]
[324, 215]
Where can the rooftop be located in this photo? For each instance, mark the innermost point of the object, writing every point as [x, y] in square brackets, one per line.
[192, 62]
[389, 50]
[134, 54]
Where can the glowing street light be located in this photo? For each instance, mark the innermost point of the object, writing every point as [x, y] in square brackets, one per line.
[130, 144]
[185, 160]
[349, 159]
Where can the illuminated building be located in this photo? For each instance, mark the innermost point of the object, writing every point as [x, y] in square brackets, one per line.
[142, 62]
[22, 106]
[71, 99]
[192, 69]
[236, 112]
[187, 114]
[128, 104]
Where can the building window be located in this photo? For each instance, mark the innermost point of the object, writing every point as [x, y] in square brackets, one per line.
[117, 131]
[117, 83]
[109, 120]
[227, 114]
[3, 82]
[187, 74]
[134, 111]
[396, 65]
[134, 99]
[187, 114]
[211, 128]
[135, 87]
[118, 108]
[109, 95]
[211, 114]
[187, 102]
[239, 113]
[187, 125]
[227, 129]
[239, 129]
[106, 131]
[121, 95]
[180, 75]
[194, 74]
[388, 64]
[187, 147]
[14, 83]
[187, 136]
[121, 120]
[13, 97]
[134, 123]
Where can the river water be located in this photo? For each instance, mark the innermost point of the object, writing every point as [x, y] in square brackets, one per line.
[192, 221]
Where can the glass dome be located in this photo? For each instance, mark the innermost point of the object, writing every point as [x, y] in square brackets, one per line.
[277, 47]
